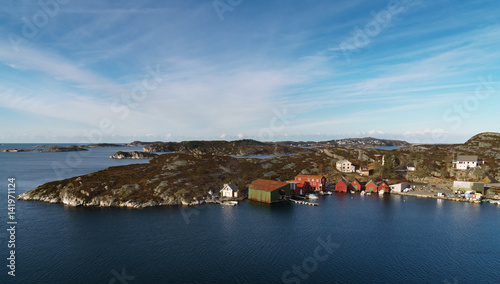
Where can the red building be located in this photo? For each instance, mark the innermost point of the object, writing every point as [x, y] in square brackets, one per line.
[371, 186]
[341, 185]
[309, 183]
[383, 186]
[356, 185]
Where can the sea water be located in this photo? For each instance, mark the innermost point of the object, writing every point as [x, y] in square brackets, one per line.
[346, 239]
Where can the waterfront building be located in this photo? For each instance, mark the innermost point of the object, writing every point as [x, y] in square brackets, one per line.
[269, 191]
[371, 186]
[229, 190]
[400, 187]
[466, 186]
[355, 185]
[383, 186]
[342, 185]
[309, 183]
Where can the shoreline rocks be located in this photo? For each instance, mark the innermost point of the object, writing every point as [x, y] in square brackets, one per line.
[132, 155]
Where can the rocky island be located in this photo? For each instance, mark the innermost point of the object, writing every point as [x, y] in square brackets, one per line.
[194, 168]
[63, 149]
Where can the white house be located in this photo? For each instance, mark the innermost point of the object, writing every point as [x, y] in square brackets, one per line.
[345, 166]
[464, 162]
[363, 171]
[399, 187]
[229, 190]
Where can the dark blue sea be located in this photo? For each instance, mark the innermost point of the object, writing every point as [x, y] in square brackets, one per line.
[346, 239]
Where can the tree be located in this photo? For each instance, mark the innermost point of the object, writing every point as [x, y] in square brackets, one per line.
[389, 167]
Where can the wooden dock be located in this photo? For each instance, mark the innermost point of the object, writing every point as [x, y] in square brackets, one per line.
[304, 202]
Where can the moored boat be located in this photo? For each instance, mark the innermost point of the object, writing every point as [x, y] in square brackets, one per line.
[312, 196]
[229, 203]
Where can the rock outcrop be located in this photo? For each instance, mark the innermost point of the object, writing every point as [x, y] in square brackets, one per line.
[132, 155]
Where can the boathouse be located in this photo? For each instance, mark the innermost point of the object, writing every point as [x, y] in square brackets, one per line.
[355, 185]
[308, 183]
[269, 191]
[371, 186]
[341, 185]
[400, 187]
[383, 186]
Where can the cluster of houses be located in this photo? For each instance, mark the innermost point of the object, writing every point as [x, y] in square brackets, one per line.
[345, 166]
[356, 185]
[270, 191]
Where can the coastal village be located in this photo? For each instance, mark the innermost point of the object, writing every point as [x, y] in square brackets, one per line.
[310, 186]
[226, 172]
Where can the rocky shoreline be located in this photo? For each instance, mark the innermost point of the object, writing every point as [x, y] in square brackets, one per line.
[197, 167]
[132, 155]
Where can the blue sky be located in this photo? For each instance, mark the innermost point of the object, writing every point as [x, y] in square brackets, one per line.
[118, 71]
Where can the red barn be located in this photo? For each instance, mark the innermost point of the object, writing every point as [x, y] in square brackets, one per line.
[309, 183]
[371, 186]
[383, 186]
[341, 185]
[355, 185]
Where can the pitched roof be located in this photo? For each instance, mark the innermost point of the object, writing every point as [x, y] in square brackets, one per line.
[231, 186]
[267, 185]
[371, 181]
[344, 181]
[309, 176]
[355, 180]
[466, 158]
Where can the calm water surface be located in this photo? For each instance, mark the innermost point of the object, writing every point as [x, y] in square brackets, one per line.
[372, 239]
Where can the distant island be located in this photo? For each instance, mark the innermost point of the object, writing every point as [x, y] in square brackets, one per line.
[50, 149]
[195, 168]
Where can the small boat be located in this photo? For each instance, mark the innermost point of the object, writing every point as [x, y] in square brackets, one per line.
[312, 196]
[381, 192]
[230, 203]
[328, 193]
[368, 193]
[352, 191]
[362, 192]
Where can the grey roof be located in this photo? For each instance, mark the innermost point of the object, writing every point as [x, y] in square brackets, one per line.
[465, 158]
[232, 186]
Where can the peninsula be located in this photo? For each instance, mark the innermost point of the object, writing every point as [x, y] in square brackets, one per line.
[194, 168]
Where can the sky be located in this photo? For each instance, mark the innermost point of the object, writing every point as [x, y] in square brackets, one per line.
[120, 71]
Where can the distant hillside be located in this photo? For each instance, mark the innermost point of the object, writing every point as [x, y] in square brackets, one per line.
[367, 142]
[245, 147]
[485, 140]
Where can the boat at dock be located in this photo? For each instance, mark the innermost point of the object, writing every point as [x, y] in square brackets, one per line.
[229, 203]
[312, 196]
[381, 192]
